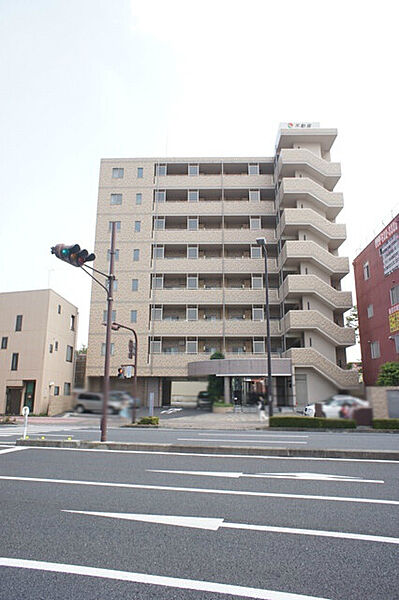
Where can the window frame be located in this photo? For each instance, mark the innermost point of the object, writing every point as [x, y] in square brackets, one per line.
[114, 199]
[69, 354]
[136, 254]
[118, 172]
[140, 172]
[18, 322]
[14, 361]
[135, 285]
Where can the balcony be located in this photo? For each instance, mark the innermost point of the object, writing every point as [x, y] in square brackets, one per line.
[293, 190]
[309, 358]
[294, 252]
[295, 286]
[304, 320]
[324, 172]
[333, 234]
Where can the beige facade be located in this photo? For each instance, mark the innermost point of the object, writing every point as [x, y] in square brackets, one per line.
[38, 338]
[190, 276]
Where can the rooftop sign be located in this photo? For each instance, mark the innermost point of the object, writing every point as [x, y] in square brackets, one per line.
[299, 125]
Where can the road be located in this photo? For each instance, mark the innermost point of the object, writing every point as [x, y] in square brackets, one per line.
[88, 429]
[196, 527]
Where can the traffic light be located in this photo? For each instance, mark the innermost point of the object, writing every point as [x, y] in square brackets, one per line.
[72, 254]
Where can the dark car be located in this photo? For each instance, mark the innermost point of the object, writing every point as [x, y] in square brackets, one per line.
[204, 401]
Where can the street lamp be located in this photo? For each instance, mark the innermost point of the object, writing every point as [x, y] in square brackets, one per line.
[115, 327]
[262, 243]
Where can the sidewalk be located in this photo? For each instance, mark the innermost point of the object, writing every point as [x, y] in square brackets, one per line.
[209, 420]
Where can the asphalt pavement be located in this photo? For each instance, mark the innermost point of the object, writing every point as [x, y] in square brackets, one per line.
[84, 524]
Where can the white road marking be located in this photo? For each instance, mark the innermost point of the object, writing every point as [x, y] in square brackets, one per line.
[187, 584]
[239, 441]
[297, 476]
[136, 486]
[12, 449]
[207, 455]
[256, 435]
[213, 524]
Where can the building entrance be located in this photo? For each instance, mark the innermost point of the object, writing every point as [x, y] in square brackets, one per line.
[13, 402]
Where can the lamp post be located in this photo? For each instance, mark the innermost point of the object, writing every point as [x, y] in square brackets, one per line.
[262, 243]
[115, 327]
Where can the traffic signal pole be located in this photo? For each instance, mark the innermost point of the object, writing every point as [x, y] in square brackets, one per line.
[108, 336]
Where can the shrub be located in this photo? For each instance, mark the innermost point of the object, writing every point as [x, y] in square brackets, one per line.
[389, 374]
[222, 404]
[386, 423]
[148, 421]
[312, 422]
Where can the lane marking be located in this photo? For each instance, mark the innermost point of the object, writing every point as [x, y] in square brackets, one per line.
[136, 486]
[207, 455]
[12, 449]
[257, 435]
[214, 524]
[297, 476]
[175, 582]
[239, 441]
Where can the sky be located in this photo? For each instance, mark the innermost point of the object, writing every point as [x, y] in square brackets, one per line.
[91, 79]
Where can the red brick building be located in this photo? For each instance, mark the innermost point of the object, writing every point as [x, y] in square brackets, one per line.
[377, 289]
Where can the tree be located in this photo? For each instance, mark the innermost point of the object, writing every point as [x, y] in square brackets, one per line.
[352, 320]
[389, 374]
[83, 349]
[215, 384]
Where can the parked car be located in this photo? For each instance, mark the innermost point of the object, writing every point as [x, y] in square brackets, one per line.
[93, 402]
[339, 405]
[203, 400]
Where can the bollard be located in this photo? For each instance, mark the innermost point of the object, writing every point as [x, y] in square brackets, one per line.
[25, 412]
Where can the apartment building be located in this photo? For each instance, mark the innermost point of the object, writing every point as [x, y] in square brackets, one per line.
[190, 277]
[38, 331]
[376, 271]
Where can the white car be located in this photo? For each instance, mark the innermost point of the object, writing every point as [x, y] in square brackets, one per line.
[333, 406]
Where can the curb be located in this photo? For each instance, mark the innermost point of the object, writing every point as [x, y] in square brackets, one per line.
[225, 450]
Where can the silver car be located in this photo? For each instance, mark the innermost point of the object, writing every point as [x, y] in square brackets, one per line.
[93, 402]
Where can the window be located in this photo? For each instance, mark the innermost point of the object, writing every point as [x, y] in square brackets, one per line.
[366, 271]
[160, 169]
[254, 195]
[394, 293]
[56, 390]
[69, 354]
[396, 339]
[192, 313]
[257, 313]
[159, 251]
[192, 223]
[59, 309]
[253, 169]
[155, 347]
[72, 323]
[56, 346]
[192, 251]
[160, 195]
[192, 346]
[257, 282]
[139, 198]
[137, 226]
[256, 252]
[18, 323]
[370, 311]
[113, 315]
[255, 223]
[140, 172]
[51, 347]
[4, 343]
[159, 223]
[135, 285]
[117, 173]
[157, 282]
[116, 255]
[117, 225]
[112, 349]
[133, 316]
[259, 346]
[192, 282]
[67, 388]
[14, 361]
[116, 199]
[136, 254]
[375, 349]
[156, 313]
[193, 169]
[193, 195]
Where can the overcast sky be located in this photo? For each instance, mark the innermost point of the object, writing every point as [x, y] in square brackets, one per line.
[82, 80]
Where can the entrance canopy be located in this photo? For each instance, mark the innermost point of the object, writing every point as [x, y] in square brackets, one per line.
[240, 367]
